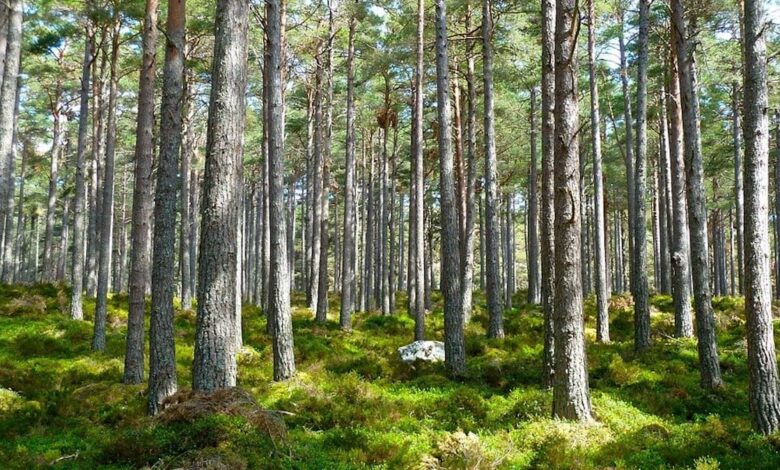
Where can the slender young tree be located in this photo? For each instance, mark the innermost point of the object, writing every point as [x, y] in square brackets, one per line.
[492, 248]
[214, 366]
[534, 280]
[139, 261]
[697, 220]
[602, 296]
[454, 347]
[279, 282]
[639, 264]
[162, 354]
[548, 187]
[762, 361]
[571, 397]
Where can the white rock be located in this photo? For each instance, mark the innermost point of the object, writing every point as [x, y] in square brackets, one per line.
[428, 351]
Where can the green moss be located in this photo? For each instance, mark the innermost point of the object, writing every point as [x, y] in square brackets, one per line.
[355, 405]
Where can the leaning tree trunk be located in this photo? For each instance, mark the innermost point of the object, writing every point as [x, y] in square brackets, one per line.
[764, 400]
[639, 260]
[162, 354]
[548, 191]
[697, 220]
[495, 309]
[571, 397]
[142, 202]
[214, 366]
[454, 347]
[683, 323]
[279, 282]
[602, 295]
[348, 247]
[106, 218]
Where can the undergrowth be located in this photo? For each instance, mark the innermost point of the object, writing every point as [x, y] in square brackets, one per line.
[354, 404]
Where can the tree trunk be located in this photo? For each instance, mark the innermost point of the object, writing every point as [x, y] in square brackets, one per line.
[185, 260]
[162, 357]
[629, 146]
[418, 212]
[764, 403]
[279, 281]
[683, 323]
[548, 189]
[214, 366]
[639, 258]
[571, 397]
[495, 308]
[51, 205]
[471, 177]
[534, 281]
[105, 221]
[738, 190]
[454, 347]
[316, 173]
[602, 295]
[697, 221]
[348, 255]
[8, 98]
[142, 202]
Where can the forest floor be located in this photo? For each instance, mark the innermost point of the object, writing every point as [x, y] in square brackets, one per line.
[354, 404]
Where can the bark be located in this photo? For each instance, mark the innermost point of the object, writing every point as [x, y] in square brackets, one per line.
[454, 347]
[64, 240]
[639, 261]
[665, 195]
[418, 212]
[51, 201]
[683, 323]
[764, 400]
[316, 207]
[571, 398]
[162, 357]
[77, 265]
[629, 148]
[348, 247]
[471, 177]
[697, 221]
[215, 362]
[106, 209]
[739, 195]
[602, 295]
[8, 98]
[142, 202]
[186, 180]
[548, 191]
[534, 279]
[495, 309]
[279, 282]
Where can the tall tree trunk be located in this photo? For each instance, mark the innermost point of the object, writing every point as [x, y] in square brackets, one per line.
[548, 187]
[534, 280]
[51, 200]
[77, 265]
[764, 400]
[348, 247]
[683, 323]
[471, 178]
[571, 397]
[495, 308]
[185, 260]
[214, 366]
[105, 221]
[629, 149]
[316, 173]
[162, 354]
[279, 281]
[602, 295]
[142, 202]
[418, 212]
[665, 177]
[697, 221]
[739, 194]
[639, 259]
[454, 347]
[8, 98]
